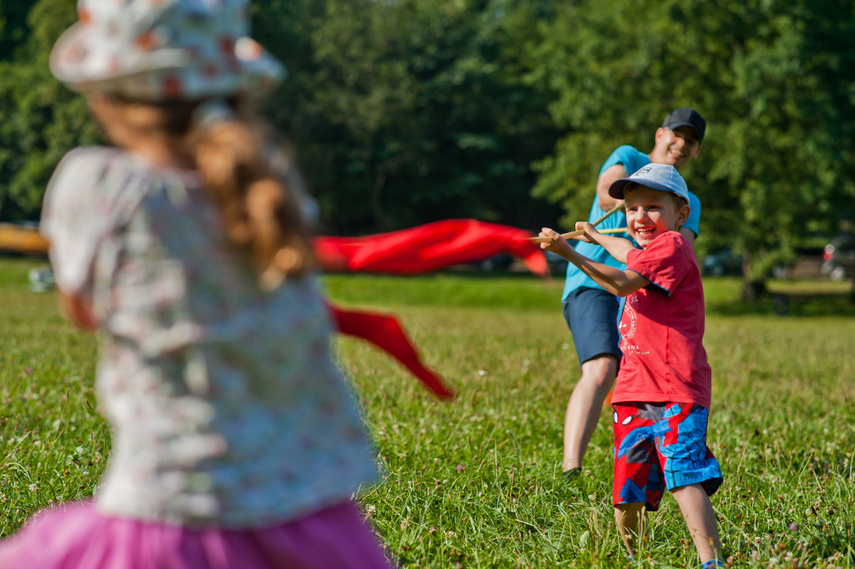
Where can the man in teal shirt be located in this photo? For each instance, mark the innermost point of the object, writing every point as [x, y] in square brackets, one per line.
[591, 312]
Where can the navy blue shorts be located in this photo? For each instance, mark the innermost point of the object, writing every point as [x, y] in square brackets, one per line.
[591, 315]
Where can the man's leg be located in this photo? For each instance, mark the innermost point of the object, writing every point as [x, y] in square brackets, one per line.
[700, 518]
[583, 409]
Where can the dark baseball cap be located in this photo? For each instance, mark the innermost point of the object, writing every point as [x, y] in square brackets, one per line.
[687, 117]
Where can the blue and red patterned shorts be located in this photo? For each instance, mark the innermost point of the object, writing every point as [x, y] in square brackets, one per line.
[658, 446]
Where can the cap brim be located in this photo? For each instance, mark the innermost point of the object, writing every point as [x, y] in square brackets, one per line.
[688, 124]
[616, 190]
[617, 187]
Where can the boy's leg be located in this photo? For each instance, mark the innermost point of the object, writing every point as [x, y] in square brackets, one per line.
[691, 472]
[700, 518]
[584, 407]
[631, 523]
[637, 486]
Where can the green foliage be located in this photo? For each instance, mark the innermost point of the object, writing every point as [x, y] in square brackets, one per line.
[772, 78]
[42, 120]
[413, 111]
[401, 112]
[408, 111]
[13, 26]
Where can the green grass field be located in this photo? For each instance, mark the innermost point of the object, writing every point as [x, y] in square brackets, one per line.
[476, 482]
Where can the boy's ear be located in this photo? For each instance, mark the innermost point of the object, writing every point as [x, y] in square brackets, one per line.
[683, 215]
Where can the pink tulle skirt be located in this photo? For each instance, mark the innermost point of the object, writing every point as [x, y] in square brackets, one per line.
[77, 536]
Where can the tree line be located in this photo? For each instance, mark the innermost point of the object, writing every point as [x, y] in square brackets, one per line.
[403, 112]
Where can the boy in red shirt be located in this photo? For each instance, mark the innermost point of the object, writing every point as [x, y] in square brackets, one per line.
[662, 395]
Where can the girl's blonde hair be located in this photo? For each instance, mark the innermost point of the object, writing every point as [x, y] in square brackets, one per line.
[261, 213]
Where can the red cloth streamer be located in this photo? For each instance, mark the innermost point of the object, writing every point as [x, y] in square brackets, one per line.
[386, 333]
[428, 248]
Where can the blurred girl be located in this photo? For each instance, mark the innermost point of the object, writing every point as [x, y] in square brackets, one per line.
[236, 442]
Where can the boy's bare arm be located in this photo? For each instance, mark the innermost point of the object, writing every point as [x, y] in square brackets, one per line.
[617, 247]
[616, 281]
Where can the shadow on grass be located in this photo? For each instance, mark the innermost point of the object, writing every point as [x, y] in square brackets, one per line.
[801, 304]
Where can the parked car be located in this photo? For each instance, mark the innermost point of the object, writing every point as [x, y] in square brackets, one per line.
[722, 262]
[498, 262]
[839, 258]
[557, 263]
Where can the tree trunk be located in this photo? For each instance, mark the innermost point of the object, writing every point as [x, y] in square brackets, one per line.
[752, 289]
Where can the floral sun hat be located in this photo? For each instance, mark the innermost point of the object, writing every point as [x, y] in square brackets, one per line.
[164, 50]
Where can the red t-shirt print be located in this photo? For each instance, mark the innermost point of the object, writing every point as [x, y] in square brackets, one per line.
[662, 328]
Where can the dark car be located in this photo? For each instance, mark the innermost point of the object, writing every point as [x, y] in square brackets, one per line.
[839, 258]
[557, 263]
[722, 262]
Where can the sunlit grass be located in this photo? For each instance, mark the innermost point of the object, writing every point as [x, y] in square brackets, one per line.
[476, 482]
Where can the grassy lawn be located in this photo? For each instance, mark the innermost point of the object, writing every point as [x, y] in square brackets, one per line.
[476, 482]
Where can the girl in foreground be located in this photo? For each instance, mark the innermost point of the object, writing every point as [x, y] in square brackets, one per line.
[236, 442]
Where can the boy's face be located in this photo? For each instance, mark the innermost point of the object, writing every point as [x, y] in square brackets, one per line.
[650, 213]
[676, 147]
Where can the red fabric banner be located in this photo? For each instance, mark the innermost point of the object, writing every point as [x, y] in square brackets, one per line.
[386, 333]
[428, 248]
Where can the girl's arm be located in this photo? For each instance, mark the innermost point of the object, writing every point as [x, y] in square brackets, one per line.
[616, 281]
[77, 310]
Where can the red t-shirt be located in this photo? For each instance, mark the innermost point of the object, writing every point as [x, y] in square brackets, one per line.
[662, 328]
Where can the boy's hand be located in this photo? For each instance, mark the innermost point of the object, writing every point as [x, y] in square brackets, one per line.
[590, 234]
[555, 243]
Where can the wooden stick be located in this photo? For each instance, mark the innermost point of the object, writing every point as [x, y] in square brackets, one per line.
[576, 234]
[609, 213]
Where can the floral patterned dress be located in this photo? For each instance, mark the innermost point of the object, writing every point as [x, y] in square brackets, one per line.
[226, 406]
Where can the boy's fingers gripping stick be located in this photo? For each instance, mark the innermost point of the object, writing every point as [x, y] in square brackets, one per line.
[579, 232]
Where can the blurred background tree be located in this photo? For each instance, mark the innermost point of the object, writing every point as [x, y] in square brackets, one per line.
[39, 119]
[404, 112]
[773, 79]
[411, 111]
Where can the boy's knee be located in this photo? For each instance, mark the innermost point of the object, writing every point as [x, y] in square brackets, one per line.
[692, 497]
[689, 490]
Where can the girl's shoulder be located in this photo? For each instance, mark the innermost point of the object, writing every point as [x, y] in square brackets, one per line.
[94, 158]
[94, 170]
[104, 177]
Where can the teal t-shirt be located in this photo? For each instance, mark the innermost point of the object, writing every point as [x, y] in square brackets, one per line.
[632, 160]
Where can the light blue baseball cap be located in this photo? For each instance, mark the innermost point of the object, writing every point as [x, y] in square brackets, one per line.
[662, 177]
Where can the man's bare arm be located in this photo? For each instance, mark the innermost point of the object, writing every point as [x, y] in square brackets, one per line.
[689, 234]
[612, 174]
